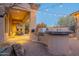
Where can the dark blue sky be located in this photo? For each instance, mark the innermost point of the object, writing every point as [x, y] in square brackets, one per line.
[49, 13]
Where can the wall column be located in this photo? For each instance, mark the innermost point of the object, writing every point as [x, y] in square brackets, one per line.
[32, 19]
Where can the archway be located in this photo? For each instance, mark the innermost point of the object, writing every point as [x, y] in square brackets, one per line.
[15, 21]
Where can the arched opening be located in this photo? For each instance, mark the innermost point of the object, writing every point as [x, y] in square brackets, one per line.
[16, 21]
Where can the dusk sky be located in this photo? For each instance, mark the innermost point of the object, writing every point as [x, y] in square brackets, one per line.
[49, 13]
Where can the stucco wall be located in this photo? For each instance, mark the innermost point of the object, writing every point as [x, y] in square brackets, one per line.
[1, 29]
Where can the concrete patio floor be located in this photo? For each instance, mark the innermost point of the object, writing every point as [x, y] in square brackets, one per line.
[52, 45]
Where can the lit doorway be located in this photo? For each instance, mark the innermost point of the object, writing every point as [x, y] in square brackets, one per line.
[17, 22]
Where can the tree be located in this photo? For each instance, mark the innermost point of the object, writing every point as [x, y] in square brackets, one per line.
[68, 21]
[42, 25]
[61, 21]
